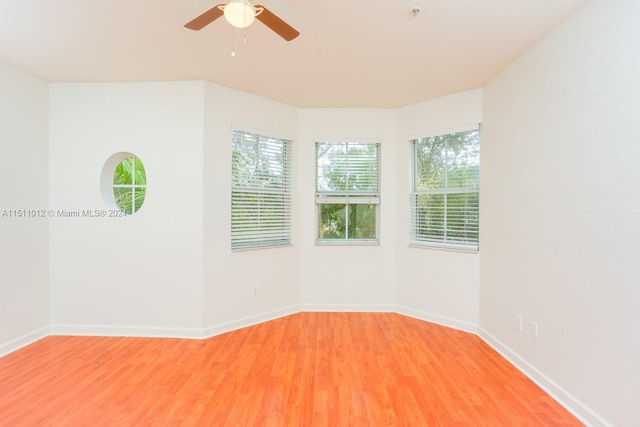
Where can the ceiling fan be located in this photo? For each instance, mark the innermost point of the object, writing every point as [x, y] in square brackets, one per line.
[241, 14]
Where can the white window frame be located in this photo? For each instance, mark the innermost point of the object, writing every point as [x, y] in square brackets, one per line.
[431, 242]
[348, 197]
[254, 229]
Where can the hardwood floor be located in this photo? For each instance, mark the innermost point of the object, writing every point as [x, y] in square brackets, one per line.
[308, 369]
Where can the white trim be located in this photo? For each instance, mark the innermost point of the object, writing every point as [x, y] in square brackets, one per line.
[258, 248]
[438, 319]
[470, 249]
[559, 394]
[23, 341]
[160, 332]
[342, 140]
[347, 242]
[262, 132]
[347, 200]
[244, 322]
[125, 331]
[347, 308]
[445, 131]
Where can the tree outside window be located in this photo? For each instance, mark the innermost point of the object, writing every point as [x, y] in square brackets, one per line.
[445, 194]
[347, 191]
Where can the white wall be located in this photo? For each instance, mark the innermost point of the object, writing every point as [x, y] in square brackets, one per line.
[24, 292]
[431, 284]
[560, 206]
[346, 277]
[139, 275]
[230, 277]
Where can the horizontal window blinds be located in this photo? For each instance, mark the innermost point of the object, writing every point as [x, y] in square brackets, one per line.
[347, 168]
[261, 191]
[445, 196]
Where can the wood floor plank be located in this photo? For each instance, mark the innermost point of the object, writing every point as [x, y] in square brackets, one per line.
[308, 369]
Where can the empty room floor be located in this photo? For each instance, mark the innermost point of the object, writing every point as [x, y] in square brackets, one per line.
[307, 369]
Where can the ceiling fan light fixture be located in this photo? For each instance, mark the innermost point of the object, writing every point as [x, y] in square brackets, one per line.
[240, 13]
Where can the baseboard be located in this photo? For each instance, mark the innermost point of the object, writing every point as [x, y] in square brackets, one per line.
[222, 328]
[563, 397]
[125, 331]
[438, 319]
[348, 308]
[23, 341]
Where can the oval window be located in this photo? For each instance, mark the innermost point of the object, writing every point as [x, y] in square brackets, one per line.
[129, 185]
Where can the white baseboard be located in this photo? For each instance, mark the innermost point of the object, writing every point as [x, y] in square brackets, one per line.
[437, 319]
[348, 308]
[23, 341]
[244, 322]
[563, 397]
[125, 331]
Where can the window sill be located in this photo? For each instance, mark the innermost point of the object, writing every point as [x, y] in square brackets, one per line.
[347, 242]
[452, 248]
[254, 248]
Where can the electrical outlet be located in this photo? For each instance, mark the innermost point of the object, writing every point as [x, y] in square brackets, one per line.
[1, 314]
[518, 323]
[533, 330]
[255, 292]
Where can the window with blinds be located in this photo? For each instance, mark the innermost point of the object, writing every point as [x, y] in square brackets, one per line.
[445, 190]
[347, 191]
[261, 191]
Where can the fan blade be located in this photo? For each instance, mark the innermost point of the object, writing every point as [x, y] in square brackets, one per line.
[277, 25]
[205, 19]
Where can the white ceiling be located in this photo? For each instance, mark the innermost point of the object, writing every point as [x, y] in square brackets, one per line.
[350, 53]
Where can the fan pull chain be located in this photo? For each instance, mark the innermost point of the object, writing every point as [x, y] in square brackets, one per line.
[244, 40]
[233, 43]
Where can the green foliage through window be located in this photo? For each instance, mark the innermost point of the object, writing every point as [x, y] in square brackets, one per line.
[129, 185]
[445, 190]
[347, 190]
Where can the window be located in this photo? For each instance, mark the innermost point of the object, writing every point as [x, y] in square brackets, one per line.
[261, 191]
[347, 191]
[445, 190]
[129, 185]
